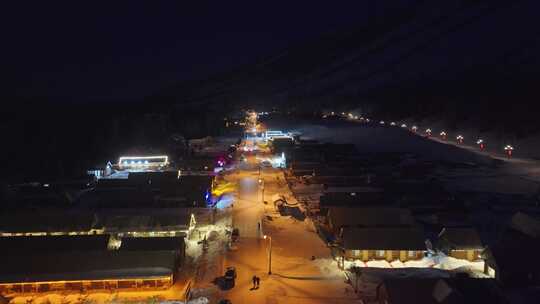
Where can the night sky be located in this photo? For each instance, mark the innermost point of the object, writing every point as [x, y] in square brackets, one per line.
[118, 50]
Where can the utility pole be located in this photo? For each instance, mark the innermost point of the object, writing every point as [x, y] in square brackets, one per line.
[261, 185]
[269, 253]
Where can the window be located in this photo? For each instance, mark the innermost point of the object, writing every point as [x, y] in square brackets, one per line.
[411, 254]
[356, 253]
[380, 253]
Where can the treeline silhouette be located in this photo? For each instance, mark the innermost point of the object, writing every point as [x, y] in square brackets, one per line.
[46, 139]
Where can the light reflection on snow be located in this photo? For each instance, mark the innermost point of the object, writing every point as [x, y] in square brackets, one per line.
[225, 201]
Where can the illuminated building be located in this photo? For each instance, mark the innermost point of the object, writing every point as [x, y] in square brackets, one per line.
[375, 233]
[382, 243]
[148, 222]
[81, 271]
[142, 162]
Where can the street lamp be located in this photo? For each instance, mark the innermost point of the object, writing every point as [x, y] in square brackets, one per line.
[508, 149]
[403, 125]
[443, 135]
[393, 124]
[480, 142]
[414, 129]
[269, 253]
[428, 132]
[381, 122]
[459, 139]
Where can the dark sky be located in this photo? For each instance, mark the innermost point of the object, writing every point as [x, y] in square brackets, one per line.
[91, 50]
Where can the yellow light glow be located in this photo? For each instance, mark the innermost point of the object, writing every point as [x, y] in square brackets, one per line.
[139, 161]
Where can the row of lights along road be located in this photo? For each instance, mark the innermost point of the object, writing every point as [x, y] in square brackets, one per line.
[508, 149]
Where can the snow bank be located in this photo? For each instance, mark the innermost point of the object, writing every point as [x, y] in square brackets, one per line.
[441, 261]
[200, 300]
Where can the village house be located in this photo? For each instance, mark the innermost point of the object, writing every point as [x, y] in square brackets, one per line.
[104, 270]
[382, 233]
[49, 223]
[461, 243]
[382, 243]
[514, 258]
[339, 218]
[458, 290]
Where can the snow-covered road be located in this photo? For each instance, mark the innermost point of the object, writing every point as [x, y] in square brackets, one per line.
[295, 278]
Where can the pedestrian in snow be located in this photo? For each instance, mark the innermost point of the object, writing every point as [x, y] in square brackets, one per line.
[254, 279]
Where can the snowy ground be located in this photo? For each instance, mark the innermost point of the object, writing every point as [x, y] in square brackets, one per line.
[303, 269]
[296, 277]
[475, 269]
[493, 172]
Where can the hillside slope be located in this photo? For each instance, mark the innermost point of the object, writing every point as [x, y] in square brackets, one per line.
[432, 58]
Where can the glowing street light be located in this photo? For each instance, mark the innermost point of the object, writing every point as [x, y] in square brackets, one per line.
[269, 252]
[381, 122]
[508, 149]
[403, 125]
[393, 124]
[414, 129]
[443, 135]
[480, 142]
[356, 117]
[428, 132]
[459, 139]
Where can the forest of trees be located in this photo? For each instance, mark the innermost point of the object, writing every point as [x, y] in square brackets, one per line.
[48, 139]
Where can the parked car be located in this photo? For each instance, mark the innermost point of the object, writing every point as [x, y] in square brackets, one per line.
[230, 276]
[266, 163]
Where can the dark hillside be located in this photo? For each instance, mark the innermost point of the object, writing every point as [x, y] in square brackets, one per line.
[454, 59]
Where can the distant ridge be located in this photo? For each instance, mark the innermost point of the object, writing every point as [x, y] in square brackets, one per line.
[434, 57]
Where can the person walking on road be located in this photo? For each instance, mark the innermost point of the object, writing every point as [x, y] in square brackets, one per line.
[254, 280]
[258, 281]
